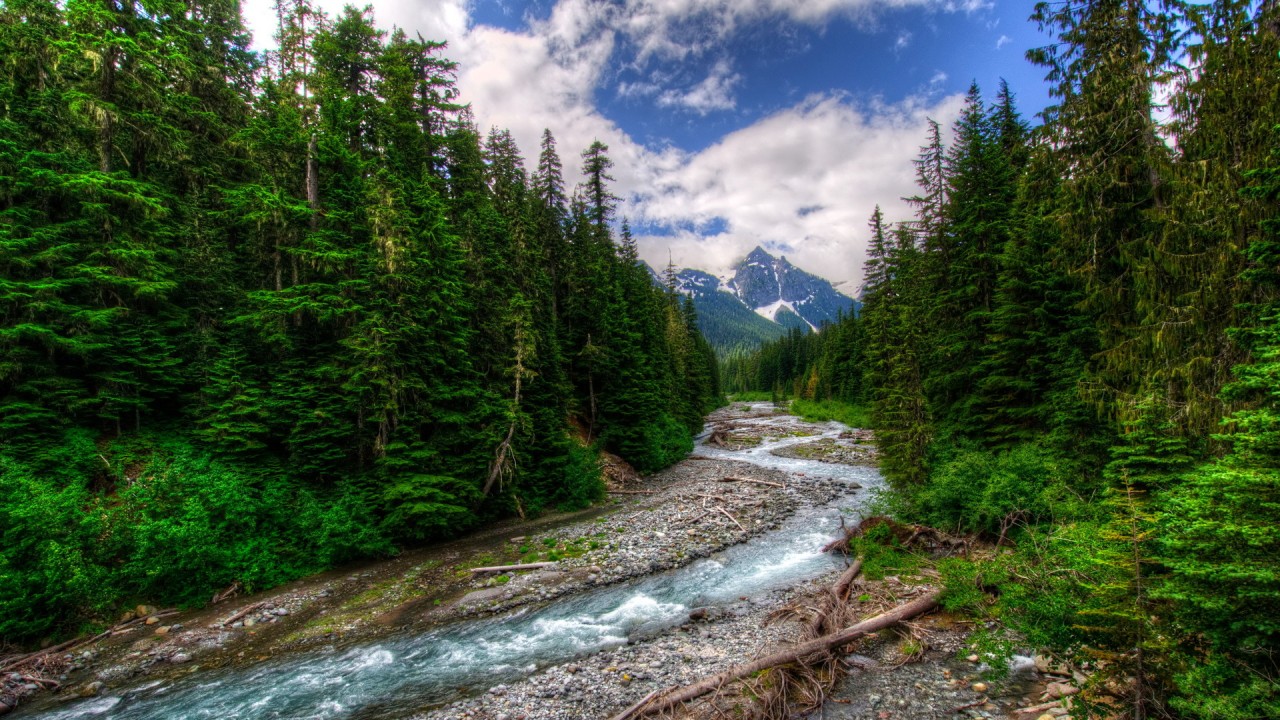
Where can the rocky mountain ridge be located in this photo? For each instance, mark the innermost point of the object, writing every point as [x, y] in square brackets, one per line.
[763, 298]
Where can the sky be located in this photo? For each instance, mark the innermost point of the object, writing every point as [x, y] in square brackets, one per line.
[731, 123]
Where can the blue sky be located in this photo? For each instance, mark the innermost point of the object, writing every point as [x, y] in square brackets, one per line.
[732, 122]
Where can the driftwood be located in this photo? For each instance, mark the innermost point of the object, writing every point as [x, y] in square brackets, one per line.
[798, 653]
[913, 537]
[750, 480]
[835, 598]
[231, 591]
[1038, 708]
[731, 517]
[242, 613]
[505, 568]
[76, 642]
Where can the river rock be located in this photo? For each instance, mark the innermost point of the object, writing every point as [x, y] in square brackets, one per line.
[152, 620]
[250, 622]
[281, 612]
[1060, 690]
[179, 658]
[91, 689]
[476, 597]
[145, 610]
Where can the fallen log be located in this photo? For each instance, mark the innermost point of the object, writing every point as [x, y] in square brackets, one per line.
[797, 653]
[74, 643]
[505, 568]
[242, 613]
[752, 480]
[835, 598]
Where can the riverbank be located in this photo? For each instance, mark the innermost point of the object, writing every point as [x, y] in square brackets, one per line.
[735, 528]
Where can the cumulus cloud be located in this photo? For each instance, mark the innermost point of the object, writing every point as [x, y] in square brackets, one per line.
[803, 180]
[713, 93]
[806, 178]
[1004, 40]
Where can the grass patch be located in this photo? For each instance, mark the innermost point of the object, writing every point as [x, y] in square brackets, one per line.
[858, 416]
[751, 396]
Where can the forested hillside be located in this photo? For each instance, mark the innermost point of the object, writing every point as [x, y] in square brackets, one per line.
[260, 315]
[1071, 350]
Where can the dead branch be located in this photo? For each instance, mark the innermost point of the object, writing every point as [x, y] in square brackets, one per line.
[77, 642]
[693, 520]
[752, 480]
[804, 652]
[505, 568]
[242, 613]
[233, 590]
[1038, 708]
[980, 701]
[731, 517]
[913, 537]
[835, 598]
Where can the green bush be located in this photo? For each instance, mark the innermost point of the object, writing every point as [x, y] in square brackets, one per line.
[653, 446]
[154, 519]
[421, 507]
[857, 416]
[50, 574]
[978, 491]
[581, 482]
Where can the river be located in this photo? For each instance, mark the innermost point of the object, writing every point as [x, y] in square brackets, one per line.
[399, 675]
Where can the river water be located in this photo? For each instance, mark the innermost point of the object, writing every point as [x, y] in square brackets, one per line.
[396, 676]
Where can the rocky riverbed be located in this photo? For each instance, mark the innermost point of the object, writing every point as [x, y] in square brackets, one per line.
[692, 513]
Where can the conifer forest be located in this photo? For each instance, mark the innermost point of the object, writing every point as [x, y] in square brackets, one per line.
[1071, 348]
[264, 314]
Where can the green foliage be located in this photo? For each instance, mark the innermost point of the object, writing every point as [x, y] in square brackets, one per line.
[882, 553]
[855, 416]
[653, 446]
[260, 315]
[177, 525]
[422, 507]
[980, 491]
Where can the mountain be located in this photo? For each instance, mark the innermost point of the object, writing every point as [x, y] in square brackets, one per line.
[764, 297]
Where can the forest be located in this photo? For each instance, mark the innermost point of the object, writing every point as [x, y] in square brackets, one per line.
[1072, 350]
[264, 314]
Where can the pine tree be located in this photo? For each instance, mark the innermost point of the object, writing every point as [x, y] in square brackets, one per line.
[1103, 67]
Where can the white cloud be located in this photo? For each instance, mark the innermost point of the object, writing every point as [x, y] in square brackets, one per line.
[1004, 40]
[828, 152]
[807, 177]
[713, 93]
[903, 41]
